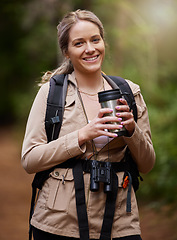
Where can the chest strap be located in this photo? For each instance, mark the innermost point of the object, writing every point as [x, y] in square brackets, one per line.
[79, 166]
[80, 201]
[108, 218]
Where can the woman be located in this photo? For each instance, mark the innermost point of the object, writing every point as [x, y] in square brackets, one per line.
[81, 39]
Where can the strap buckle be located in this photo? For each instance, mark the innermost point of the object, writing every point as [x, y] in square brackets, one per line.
[54, 120]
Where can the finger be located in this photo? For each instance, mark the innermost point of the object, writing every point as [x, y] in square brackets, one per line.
[104, 111]
[125, 115]
[129, 125]
[109, 133]
[127, 122]
[108, 119]
[122, 101]
[113, 126]
[123, 108]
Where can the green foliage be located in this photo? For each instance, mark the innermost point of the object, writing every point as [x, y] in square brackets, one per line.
[162, 181]
[141, 37]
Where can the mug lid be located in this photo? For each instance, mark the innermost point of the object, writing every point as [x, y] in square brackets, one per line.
[109, 95]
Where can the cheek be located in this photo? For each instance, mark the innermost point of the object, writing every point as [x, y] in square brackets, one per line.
[103, 52]
[102, 49]
[75, 54]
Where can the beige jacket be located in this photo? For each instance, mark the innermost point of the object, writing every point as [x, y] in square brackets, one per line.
[55, 210]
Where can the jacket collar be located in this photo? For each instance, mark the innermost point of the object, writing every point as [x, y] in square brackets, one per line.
[72, 78]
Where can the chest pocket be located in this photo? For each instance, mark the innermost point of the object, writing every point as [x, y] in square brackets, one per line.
[68, 116]
[61, 189]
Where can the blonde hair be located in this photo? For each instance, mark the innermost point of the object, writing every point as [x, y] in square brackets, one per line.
[63, 28]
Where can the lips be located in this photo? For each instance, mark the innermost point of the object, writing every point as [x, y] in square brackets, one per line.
[90, 59]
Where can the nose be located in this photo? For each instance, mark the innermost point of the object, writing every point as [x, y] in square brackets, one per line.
[89, 48]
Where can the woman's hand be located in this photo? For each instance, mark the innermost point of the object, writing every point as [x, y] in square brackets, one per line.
[127, 116]
[98, 125]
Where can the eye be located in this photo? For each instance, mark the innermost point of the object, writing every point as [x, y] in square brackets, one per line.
[78, 44]
[96, 40]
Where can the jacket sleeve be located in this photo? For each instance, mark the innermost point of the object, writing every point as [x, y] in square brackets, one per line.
[140, 143]
[37, 154]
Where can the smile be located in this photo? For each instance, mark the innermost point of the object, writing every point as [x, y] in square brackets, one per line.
[91, 58]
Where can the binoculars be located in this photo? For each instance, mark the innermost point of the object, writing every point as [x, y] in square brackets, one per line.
[100, 172]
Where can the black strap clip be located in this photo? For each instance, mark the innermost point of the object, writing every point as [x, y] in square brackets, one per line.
[54, 120]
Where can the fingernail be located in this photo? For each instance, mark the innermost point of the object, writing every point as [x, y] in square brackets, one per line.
[117, 107]
[119, 119]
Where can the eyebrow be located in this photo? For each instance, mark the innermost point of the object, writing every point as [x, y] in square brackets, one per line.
[77, 39]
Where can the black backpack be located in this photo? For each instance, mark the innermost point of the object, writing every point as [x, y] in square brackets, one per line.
[53, 122]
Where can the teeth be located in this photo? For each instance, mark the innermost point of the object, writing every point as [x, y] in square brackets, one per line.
[91, 59]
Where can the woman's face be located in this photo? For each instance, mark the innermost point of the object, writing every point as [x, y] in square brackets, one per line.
[86, 47]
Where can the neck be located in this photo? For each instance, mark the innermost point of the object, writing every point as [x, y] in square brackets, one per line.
[89, 82]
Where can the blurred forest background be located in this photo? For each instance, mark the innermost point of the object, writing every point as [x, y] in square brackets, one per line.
[141, 37]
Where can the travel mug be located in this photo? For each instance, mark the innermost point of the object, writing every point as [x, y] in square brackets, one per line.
[108, 99]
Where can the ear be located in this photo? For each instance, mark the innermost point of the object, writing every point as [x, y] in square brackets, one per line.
[66, 54]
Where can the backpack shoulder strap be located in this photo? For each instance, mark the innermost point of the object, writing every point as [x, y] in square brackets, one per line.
[53, 122]
[55, 106]
[125, 88]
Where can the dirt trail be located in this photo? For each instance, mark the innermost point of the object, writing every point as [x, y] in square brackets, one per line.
[15, 194]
